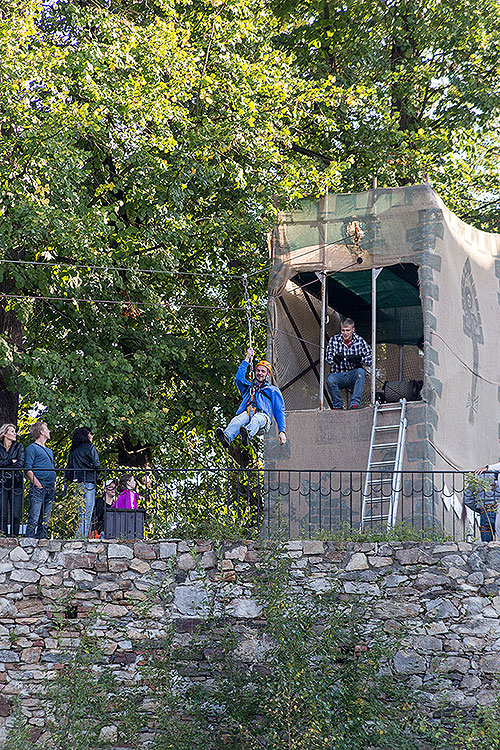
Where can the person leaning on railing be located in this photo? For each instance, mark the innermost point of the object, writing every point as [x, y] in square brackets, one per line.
[483, 496]
[11, 480]
[39, 467]
[83, 467]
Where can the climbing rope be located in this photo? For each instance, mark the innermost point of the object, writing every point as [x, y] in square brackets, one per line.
[248, 308]
[248, 311]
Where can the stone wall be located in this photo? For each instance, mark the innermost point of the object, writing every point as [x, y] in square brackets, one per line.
[445, 596]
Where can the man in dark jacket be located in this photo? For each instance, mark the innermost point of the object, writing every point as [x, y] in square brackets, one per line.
[261, 403]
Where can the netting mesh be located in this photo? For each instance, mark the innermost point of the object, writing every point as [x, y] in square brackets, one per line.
[297, 346]
[297, 352]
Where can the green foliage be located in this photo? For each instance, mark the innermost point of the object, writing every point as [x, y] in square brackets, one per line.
[316, 683]
[402, 532]
[165, 138]
[475, 483]
[80, 698]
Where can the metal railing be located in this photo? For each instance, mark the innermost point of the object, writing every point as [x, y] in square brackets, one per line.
[218, 502]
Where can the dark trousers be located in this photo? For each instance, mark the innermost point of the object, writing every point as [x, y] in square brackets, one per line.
[11, 506]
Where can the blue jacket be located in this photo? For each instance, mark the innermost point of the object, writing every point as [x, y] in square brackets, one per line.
[268, 398]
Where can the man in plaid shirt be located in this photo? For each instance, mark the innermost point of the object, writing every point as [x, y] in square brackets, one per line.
[348, 354]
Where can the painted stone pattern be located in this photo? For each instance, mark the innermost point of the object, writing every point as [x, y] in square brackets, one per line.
[445, 595]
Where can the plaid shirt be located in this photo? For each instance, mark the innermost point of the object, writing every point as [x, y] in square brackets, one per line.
[358, 346]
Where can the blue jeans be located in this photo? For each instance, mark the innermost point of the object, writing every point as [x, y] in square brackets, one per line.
[40, 507]
[258, 422]
[86, 498]
[352, 380]
[487, 526]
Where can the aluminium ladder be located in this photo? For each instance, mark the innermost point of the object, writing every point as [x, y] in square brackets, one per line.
[383, 471]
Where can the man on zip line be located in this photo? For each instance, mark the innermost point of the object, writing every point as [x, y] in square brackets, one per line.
[261, 402]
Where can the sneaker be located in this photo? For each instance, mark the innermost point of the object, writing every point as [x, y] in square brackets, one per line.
[337, 408]
[355, 406]
[245, 438]
[222, 437]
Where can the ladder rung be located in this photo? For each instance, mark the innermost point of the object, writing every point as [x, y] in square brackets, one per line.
[388, 427]
[374, 518]
[385, 445]
[380, 463]
[389, 408]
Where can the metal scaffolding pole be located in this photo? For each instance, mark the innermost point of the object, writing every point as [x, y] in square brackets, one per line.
[322, 342]
[322, 332]
[375, 274]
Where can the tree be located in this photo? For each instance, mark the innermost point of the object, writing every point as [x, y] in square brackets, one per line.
[403, 88]
[135, 138]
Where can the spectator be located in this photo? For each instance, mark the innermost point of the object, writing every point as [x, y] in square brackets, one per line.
[39, 467]
[83, 467]
[482, 496]
[127, 497]
[348, 354]
[104, 500]
[11, 482]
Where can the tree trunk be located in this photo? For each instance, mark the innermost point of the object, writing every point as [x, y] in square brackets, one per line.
[133, 455]
[11, 330]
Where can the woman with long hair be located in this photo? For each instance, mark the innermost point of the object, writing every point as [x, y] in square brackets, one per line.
[83, 468]
[11, 480]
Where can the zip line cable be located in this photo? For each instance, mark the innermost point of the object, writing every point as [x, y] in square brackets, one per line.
[166, 272]
[130, 303]
[90, 267]
[248, 309]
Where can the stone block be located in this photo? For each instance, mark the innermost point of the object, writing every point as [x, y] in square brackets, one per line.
[380, 562]
[141, 566]
[18, 554]
[429, 580]
[25, 576]
[186, 561]
[72, 560]
[490, 663]
[31, 655]
[358, 561]
[237, 553]
[144, 551]
[311, 547]
[114, 610]
[168, 549]
[120, 551]
[453, 664]
[7, 656]
[209, 559]
[117, 566]
[441, 608]
[409, 662]
[244, 608]
[396, 610]
[428, 643]
[192, 600]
